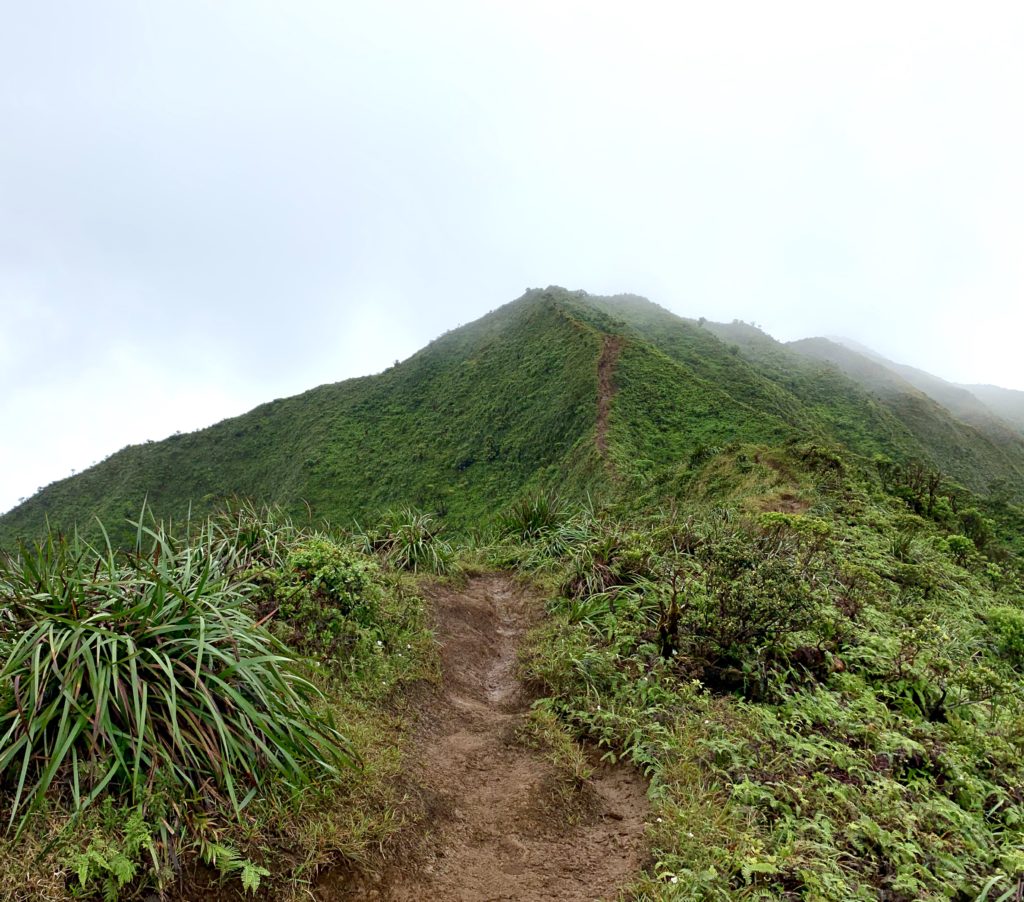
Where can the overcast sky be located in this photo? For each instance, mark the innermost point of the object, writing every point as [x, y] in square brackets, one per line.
[204, 206]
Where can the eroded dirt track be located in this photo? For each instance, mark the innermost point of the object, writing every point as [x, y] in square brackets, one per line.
[606, 388]
[498, 831]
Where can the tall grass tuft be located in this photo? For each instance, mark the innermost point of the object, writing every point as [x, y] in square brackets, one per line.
[409, 540]
[533, 516]
[129, 673]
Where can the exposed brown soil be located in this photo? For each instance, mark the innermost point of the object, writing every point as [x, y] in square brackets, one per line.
[606, 387]
[497, 828]
[786, 503]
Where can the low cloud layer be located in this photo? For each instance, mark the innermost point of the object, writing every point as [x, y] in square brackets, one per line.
[205, 206]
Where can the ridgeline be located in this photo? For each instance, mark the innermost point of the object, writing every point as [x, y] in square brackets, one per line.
[519, 401]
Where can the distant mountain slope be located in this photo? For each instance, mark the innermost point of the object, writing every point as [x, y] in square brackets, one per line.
[868, 405]
[1005, 402]
[513, 401]
[975, 453]
[959, 400]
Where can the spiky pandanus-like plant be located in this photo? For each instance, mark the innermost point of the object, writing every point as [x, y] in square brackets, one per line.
[409, 540]
[130, 673]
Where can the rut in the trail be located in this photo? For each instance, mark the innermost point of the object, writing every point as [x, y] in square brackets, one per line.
[498, 832]
[610, 351]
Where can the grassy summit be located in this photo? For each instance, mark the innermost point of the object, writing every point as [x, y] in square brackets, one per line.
[511, 402]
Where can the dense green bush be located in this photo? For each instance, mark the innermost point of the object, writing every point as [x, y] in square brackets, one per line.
[1007, 625]
[961, 549]
[754, 591]
[327, 597]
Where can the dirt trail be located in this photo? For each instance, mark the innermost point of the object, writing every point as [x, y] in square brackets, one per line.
[606, 387]
[497, 830]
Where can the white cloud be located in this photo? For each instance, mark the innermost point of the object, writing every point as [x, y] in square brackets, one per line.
[236, 201]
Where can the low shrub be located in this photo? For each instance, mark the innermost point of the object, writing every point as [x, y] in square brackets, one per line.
[326, 597]
[1007, 625]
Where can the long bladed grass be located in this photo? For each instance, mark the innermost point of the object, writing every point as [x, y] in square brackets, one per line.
[126, 672]
[409, 539]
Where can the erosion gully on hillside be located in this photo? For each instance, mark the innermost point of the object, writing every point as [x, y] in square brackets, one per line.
[606, 388]
[496, 829]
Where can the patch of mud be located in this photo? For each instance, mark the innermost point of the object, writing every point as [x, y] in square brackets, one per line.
[786, 503]
[497, 830]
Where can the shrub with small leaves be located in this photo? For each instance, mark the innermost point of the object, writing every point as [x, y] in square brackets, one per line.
[961, 549]
[326, 595]
[1007, 624]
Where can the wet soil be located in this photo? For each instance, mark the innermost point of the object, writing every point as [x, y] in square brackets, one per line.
[497, 827]
[606, 388]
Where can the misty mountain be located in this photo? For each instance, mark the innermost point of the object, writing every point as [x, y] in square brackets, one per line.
[557, 389]
[1006, 402]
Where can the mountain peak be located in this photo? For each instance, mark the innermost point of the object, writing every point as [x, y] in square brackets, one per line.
[528, 397]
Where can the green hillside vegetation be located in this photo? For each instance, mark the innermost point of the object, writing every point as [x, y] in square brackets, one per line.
[1005, 402]
[828, 702]
[993, 411]
[459, 429]
[959, 435]
[816, 664]
[872, 409]
[224, 701]
[783, 581]
[508, 403]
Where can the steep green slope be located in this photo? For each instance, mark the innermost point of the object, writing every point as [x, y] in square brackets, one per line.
[664, 413]
[833, 405]
[557, 389]
[871, 409]
[961, 402]
[459, 428]
[699, 352]
[973, 456]
[1005, 402]
[767, 379]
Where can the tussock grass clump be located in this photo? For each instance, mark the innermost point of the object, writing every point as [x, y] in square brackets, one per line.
[130, 672]
[155, 711]
[533, 516]
[409, 539]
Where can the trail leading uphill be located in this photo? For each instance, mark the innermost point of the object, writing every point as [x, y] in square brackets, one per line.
[498, 831]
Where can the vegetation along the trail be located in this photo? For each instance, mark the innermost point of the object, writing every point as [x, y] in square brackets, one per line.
[216, 703]
[783, 582]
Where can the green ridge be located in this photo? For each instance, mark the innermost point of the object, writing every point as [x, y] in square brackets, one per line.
[508, 403]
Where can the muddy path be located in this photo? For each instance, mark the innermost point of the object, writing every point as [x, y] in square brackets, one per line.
[496, 829]
[606, 388]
